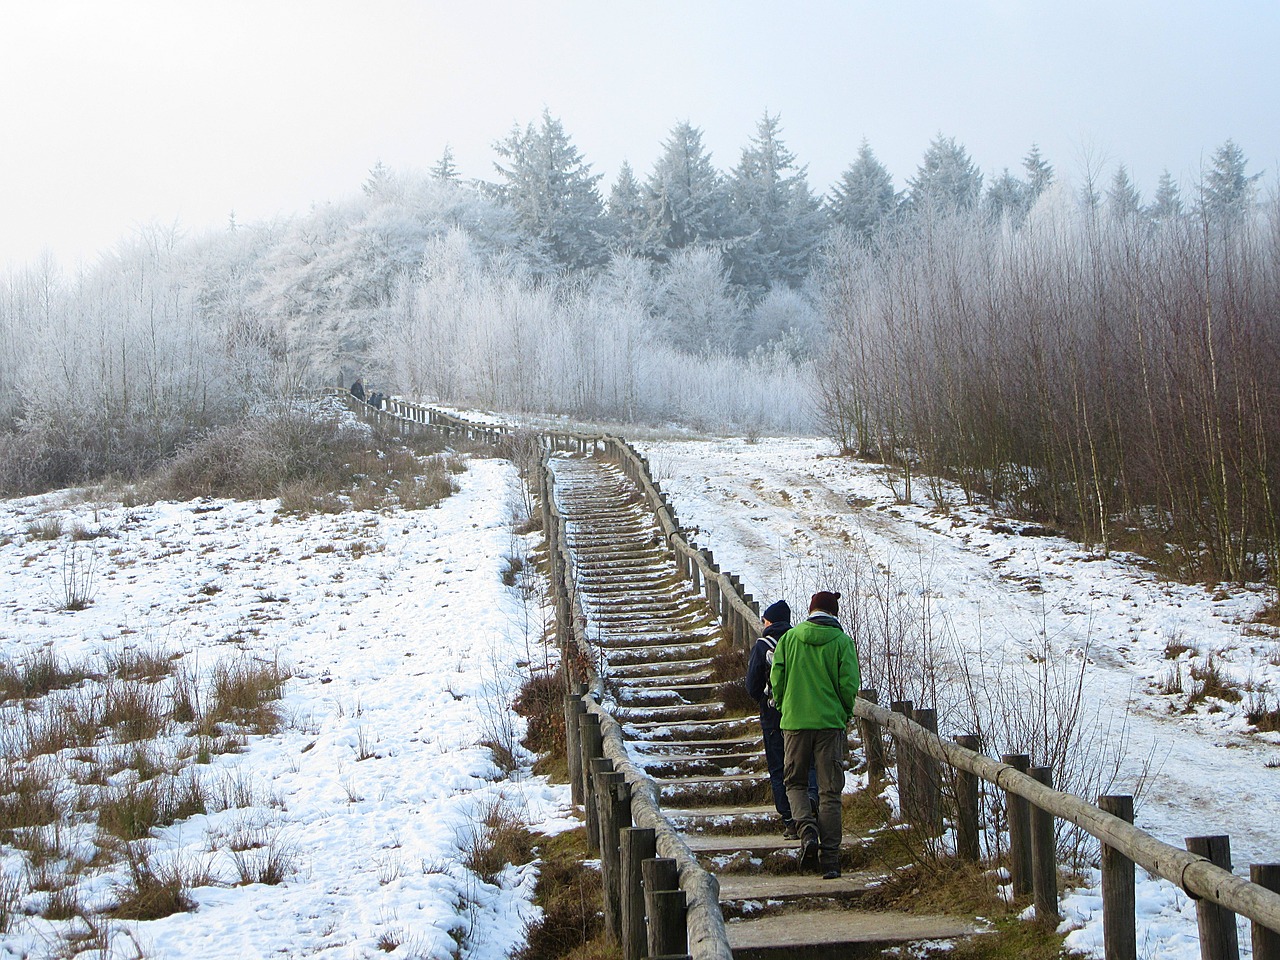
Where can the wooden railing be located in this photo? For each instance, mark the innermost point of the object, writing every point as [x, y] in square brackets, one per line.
[1202, 871]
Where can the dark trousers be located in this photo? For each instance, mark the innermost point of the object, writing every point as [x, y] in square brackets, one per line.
[774, 752]
[825, 751]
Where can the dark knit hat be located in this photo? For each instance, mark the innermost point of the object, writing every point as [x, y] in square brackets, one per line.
[825, 601]
[777, 612]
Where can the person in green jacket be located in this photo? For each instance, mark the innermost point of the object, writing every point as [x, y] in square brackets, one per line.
[815, 679]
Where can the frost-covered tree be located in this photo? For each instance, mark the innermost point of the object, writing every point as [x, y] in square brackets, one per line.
[625, 211]
[552, 191]
[1039, 172]
[686, 196]
[1123, 199]
[1226, 191]
[780, 221]
[381, 184]
[864, 197]
[1167, 203]
[1007, 197]
[947, 180]
[700, 311]
[444, 169]
[787, 319]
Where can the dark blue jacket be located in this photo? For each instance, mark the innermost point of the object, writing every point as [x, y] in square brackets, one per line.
[758, 674]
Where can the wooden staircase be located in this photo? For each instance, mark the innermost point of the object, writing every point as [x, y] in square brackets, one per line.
[661, 656]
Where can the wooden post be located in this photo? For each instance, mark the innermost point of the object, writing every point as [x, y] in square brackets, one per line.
[906, 761]
[610, 859]
[872, 743]
[928, 776]
[592, 747]
[638, 844]
[1266, 943]
[1119, 908]
[967, 805]
[1019, 814]
[574, 711]
[1218, 938]
[1044, 854]
[665, 907]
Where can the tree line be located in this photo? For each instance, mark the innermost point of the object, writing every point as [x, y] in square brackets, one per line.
[1064, 349]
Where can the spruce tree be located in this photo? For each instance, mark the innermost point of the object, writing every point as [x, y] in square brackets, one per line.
[947, 180]
[1226, 191]
[779, 220]
[686, 196]
[1167, 203]
[1123, 199]
[625, 212]
[864, 196]
[552, 191]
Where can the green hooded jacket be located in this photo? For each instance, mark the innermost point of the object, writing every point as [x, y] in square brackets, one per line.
[815, 675]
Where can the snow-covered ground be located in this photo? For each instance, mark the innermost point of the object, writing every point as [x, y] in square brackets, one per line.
[779, 513]
[402, 642]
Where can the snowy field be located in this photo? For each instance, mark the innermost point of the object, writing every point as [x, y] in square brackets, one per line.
[402, 642]
[778, 512]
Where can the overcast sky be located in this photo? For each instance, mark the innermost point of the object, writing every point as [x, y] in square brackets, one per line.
[116, 114]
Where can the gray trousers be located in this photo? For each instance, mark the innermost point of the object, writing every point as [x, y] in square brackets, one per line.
[826, 750]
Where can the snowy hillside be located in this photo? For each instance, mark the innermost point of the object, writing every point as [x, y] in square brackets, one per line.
[790, 518]
[401, 640]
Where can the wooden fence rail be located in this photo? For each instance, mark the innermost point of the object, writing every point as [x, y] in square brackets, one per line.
[1204, 881]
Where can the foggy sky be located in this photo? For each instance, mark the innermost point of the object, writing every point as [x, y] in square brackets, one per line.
[116, 114]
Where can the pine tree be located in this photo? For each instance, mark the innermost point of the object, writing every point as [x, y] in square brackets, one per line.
[947, 178]
[1008, 197]
[1123, 199]
[1167, 204]
[552, 192]
[864, 197]
[380, 184]
[1039, 173]
[779, 220]
[625, 211]
[686, 196]
[1226, 192]
[444, 169]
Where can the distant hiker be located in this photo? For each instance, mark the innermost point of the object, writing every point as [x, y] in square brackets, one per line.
[357, 389]
[815, 679]
[375, 400]
[777, 621]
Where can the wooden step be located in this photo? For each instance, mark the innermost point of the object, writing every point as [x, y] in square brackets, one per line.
[783, 887]
[842, 934]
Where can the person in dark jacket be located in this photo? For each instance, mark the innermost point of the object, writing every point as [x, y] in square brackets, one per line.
[777, 621]
[815, 680]
[357, 389]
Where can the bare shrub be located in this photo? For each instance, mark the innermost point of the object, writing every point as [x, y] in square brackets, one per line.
[79, 570]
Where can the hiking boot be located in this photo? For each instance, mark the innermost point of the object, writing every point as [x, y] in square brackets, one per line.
[809, 852]
[832, 874]
[789, 831]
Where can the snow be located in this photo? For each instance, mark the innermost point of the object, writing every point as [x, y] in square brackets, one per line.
[402, 642]
[784, 513]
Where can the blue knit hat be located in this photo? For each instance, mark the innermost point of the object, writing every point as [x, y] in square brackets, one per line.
[777, 612]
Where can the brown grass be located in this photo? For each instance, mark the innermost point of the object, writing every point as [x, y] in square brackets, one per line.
[1209, 682]
[569, 894]
[500, 838]
[154, 891]
[38, 673]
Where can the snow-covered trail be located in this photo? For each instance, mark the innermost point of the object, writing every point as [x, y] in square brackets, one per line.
[774, 512]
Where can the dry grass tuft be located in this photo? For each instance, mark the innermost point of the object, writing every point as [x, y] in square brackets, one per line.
[37, 674]
[154, 890]
[569, 894]
[500, 838]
